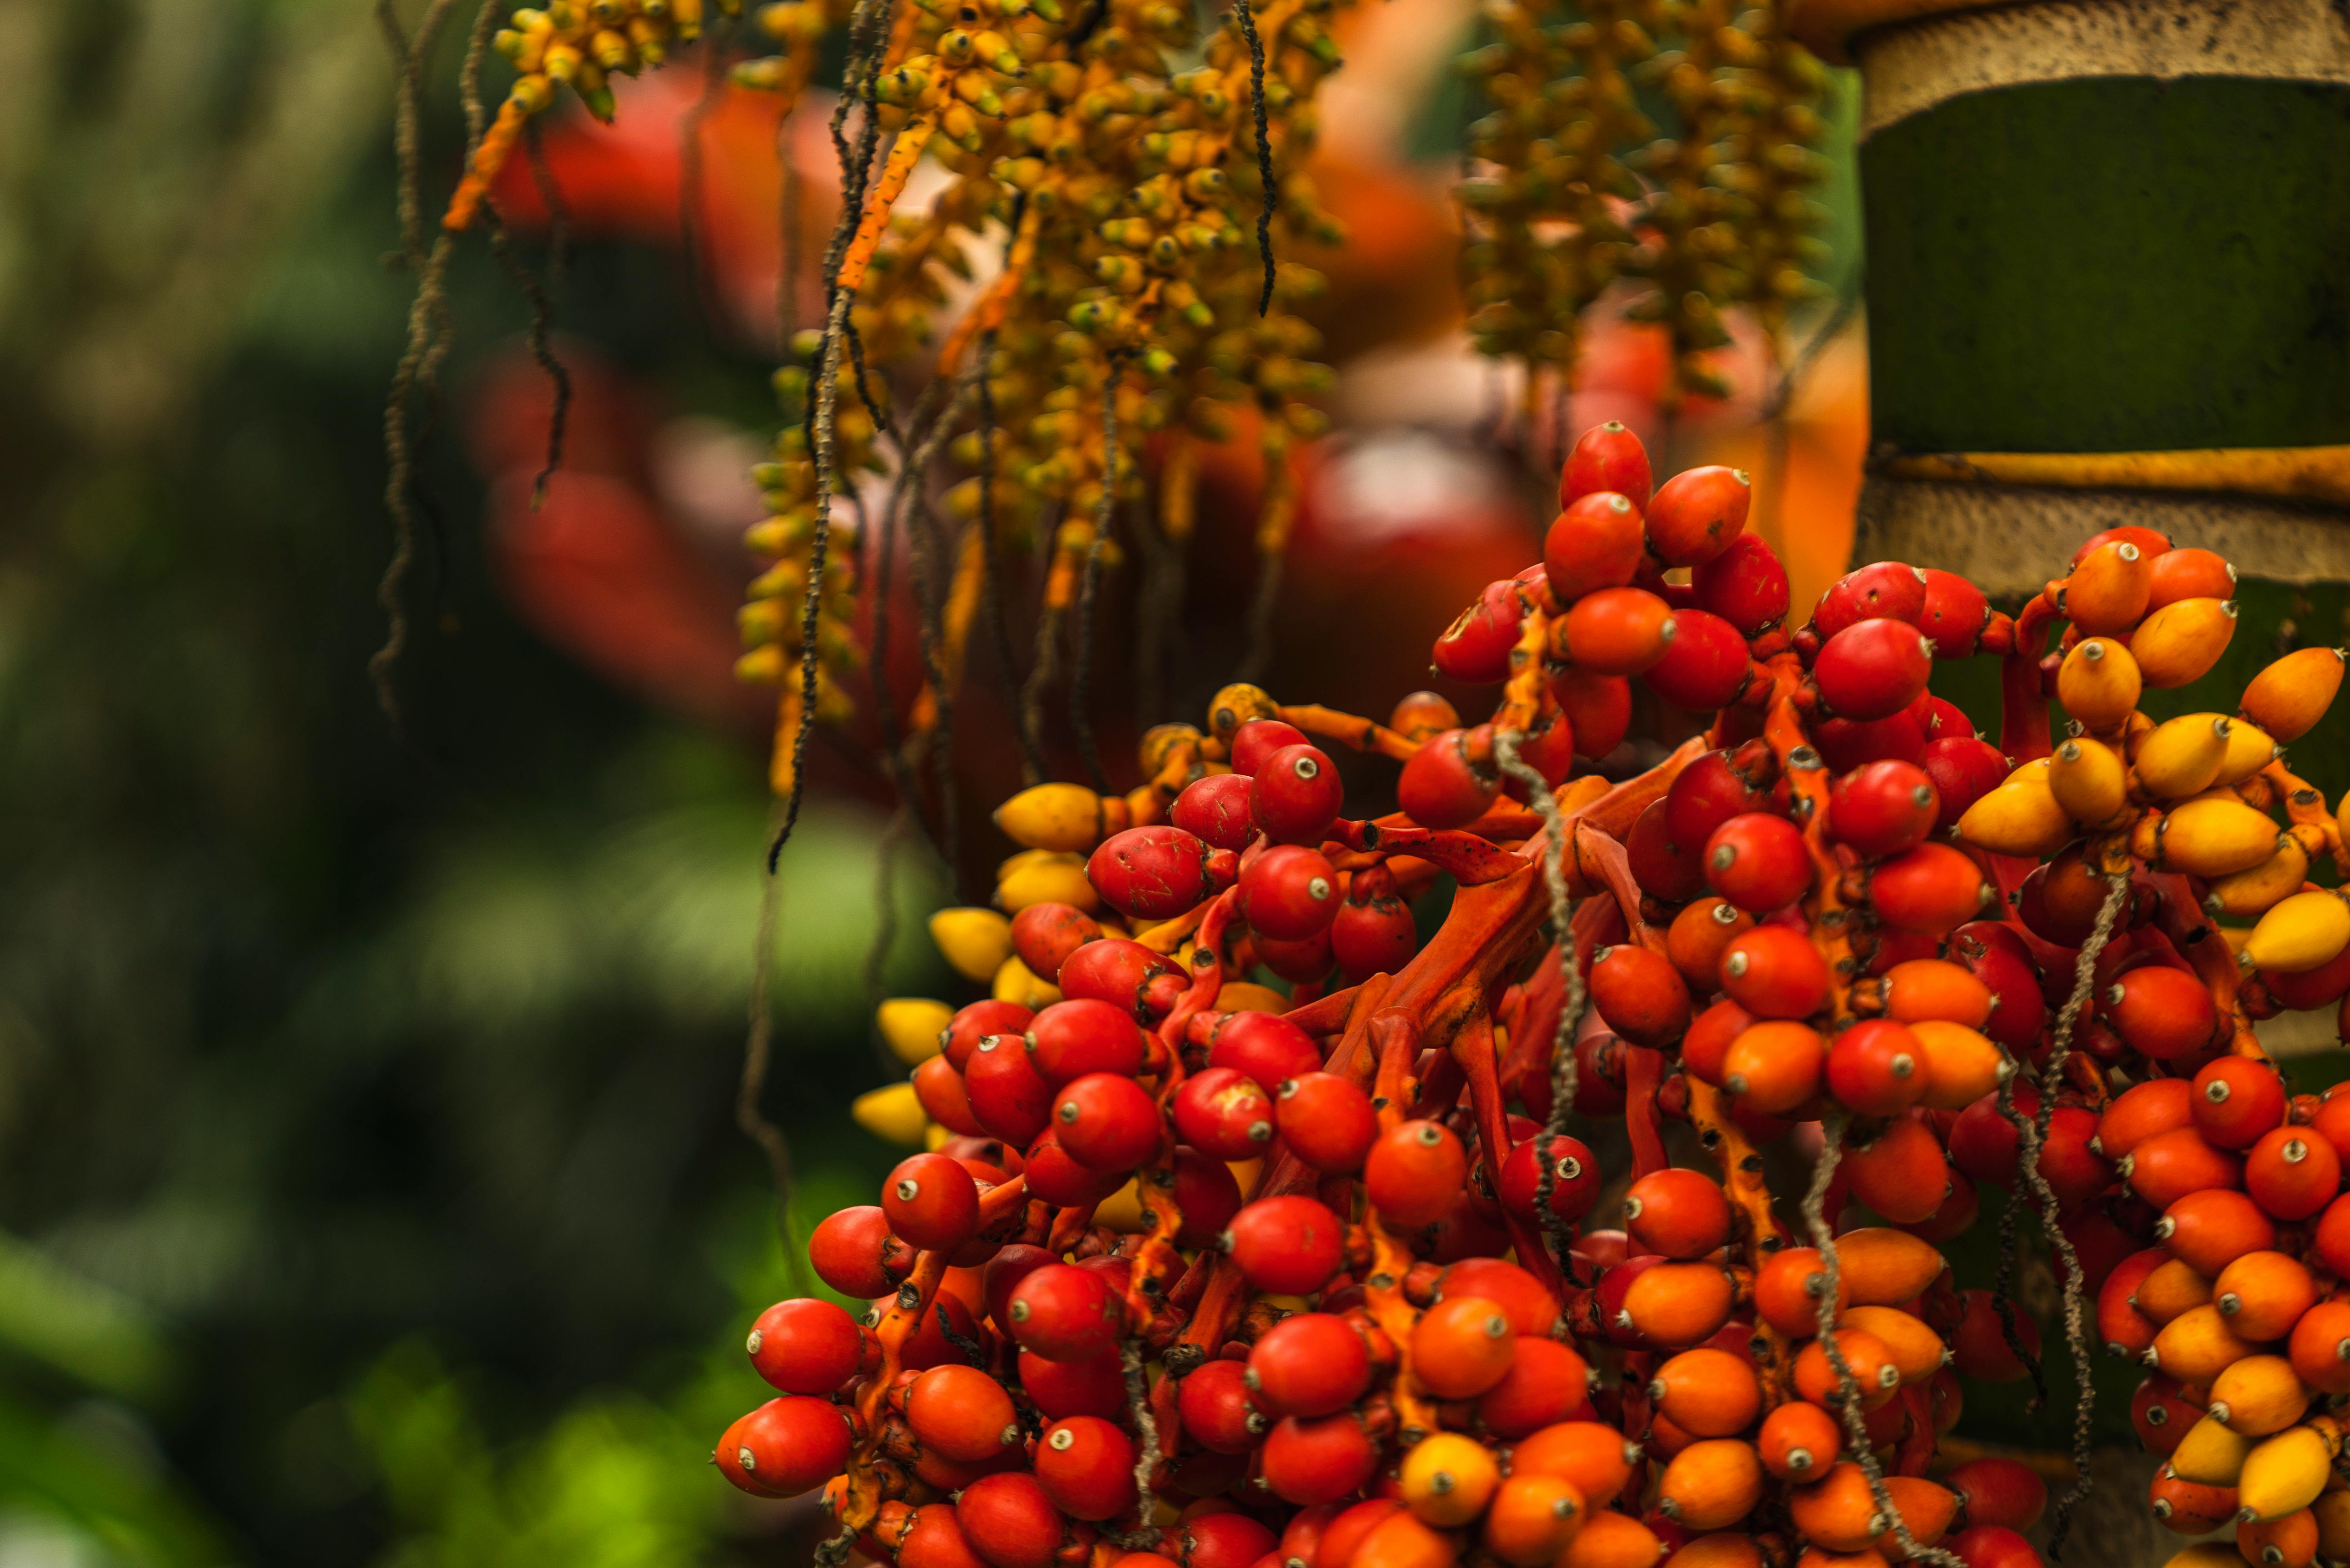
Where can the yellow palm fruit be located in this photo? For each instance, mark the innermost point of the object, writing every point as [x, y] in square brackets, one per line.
[912, 1026]
[1122, 1211]
[2300, 933]
[2285, 1474]
[1062, 816]
[2250, 749]
[2099, 684]
[1043, 876]
[2182, 757]
[2089, 781]
[2021, 817]
[2182, 640]
[893, 1115]
[1916, 1352]
[2292, 695]
[2248, 893]
[1247, 996]
[2258, 1396]
[974, 941]
[2214, 836]
[1962, 1065]
[2210, 1454]
[1447, 1478]
[2196, 1345]
[1015, 982]
[2332, 1512]
[934, 1137]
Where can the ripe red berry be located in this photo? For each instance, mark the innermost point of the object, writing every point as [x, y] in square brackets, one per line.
[1216, 808]
[854, 1251]
[1746, 584]
[1873, 669]
[1008, 1097]
[806, 1346]
[1309, 1365]
[1598, 708]
[1883, 808]
[1063, 1312]
[1373, 933]
[1980, 1346]
[2293, 1173]
[1694, 514]
[1640, 993]
[1130, 977]
[1057, 1178]
[1086, 1466]
[1892, 590]
[1257, 739]
[1070, 1039]
[1152, 873]
[1415, 1173]
[1318, 1460]
[1440, 787]
[2234, 1101]
[1575, 1178]
[2165, 1013]
[2168, 1166]
[974, 1023]
[1288, 1245]
[1619, 631]
[944, 1097]
[1709, 1039]
[787, 1446]
[1207, 1194]
[1704, 667]
[1933, 889]
[1218, 1408]
[1107, 1121]
[1677, 1213]
[1605, 457]
[1011, 1521]
[1547, 1383]
[1664, 869]
[1594, 543]
[1289, 893]
[1326, 1121]
[2208, 1230]
[1901, 1172]
[1299, 962]
[931, 1201]
[1475, 648]
[1297, 795]
[962, 1413]
[1775, 972]
[1264, 1045]
[1712, 789]
[1954, 615]
[1045, 934]
[1993, 1546]
[1877, 1068]
[1223, 1113]
[1758, 862]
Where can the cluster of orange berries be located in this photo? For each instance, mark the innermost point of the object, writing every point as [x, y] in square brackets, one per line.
[1189, 1274]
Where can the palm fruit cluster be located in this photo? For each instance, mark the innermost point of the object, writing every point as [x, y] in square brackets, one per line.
[1576, 189]
[1187, 1272]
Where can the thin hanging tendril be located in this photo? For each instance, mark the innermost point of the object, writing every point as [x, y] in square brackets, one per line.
[1571, 1000]
[1264, 148]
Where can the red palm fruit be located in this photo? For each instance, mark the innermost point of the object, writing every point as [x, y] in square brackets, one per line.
[1070, 1039]
[1140, 982]
[1086, 1466]
[1618, 630]
[2187, 574]
[1961, 1207]
[931, 1201]
[2293, 1173]
[1044, 935]
[1063, 1312]
[2127, 1332]
[1344, 1533]
[1373, 933]
[2074, 1170]
[1984, 1144]
[2162, 1413]
[1266, 1046]
[1746, 584]
[854, 1252]
[1775, 1065]
[1057, 1178]
[1153, 872]
[2236, 1100]
[1224, 1113]
[1301, 962]
[2166, 1168]
[1593, 1458]
[1882, 808]
[1758, 862]
[2329, 1242]
[806, 1346]
[1877, 1068]
[941, 1090]
[1216, 809]
[933, 1342]
[1993, 1546]
[2130, 1117]
[1218, 1540]
[974, 1023]
[1287, 1245]
[1937, 717]
[1845, 744]
[1575, 1178]
[2312, 988]
[1708, 1393]
[1107, 1121]
[1207, 1195]
[2263, 1294]
[2290, 1540]
[1954, 615]
[1799, 1442]
[1696, 513]
[1873, 1370]
[1095, 1386]
[1404, 1541]
[1605, 457]
[1440, 787]
[1704, 667]
[1318, 1460]
[1641, 995]
[1011, 1519]
[2164, 1013]
[1712, 789]
[933, 1539]
[1964, 770]
[1414, 1172]
[1461, 1346]
[1700, 935]
[1775, 972]
[1259, 739]
[1598, 708]
[1979, 1346]
[1663, 868]
[1534, 1311]
[1009, 1098]
[1652, 1302]
[2331, 1121]
[1546, 1383]
[1309, 1365]
[2320, 1347]
[1297, 795]
[787, 1446]
[1999, 1491]
[2189, 1508]
[1894, 589]
[1326, 1121]
[1706, 1046]
[1475, 648]
[1302, 1537]
[1995, 955]
[1934, 887]
[1217, 1409]
[962, 1413]
[1873, 669]
[1900, 1173]
[1289, 893]
[1677, 1213]
[1593, 543]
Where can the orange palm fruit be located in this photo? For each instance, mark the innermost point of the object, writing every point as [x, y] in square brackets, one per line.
[1447, 1478]
[1799, 1442]
[2263, 1294]
[1707, 1392]
[2320, 1347]
[2021, 817]
[1926, 1507]
[1712, 1484]
[1719, 1548]
[1608, 1540]
[1813, 1557]
[1619, 631]
[2171, 1289]
[2179, 642]
[2289, 696]
[1787, 1290]
[1775, 1065]
[2288, 1543]
[2332, 1514]
[2293, 938]
[1403, 1540]
[1883, 1267]
[1679, 1303]
[2108, 589]
[1698, 935]
[1595, 1459]
[1962, 1064]
[2258, 1396]
[1871, 1363]
[1838, 1512]
[2197, 1345]
[1917, 1351]
[2180, 757]
[1532, 1519]
[2189, 1508]
[1921, 990]
[2211, 1455]
[2099, 684]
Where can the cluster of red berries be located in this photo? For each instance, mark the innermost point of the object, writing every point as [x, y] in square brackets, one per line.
[1192, 1275]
